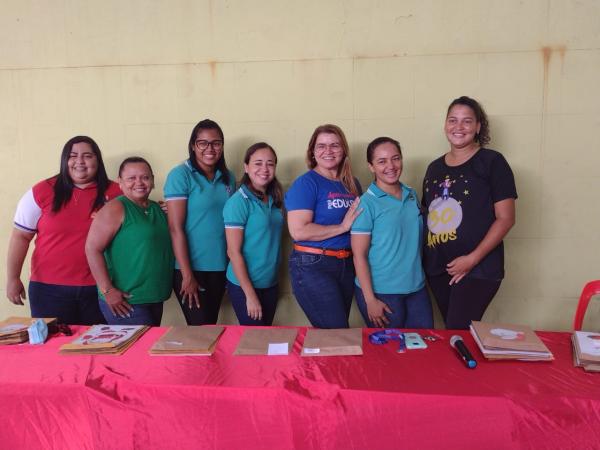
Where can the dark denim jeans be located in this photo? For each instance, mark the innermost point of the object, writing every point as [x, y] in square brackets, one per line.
[73, 305]
[267, 298]
[144, 314]
[408, 310]
[323, 286]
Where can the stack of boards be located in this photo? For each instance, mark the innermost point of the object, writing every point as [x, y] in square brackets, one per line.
[508, 341]
[105, 339]
[14, 329]
[586, 350]
[188, 341]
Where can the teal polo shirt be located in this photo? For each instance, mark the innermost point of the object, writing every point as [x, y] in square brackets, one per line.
[396, 230]
[262, 224]
[204, 217]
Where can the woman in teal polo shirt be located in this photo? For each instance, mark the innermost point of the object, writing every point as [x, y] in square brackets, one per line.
[196, 192]
[386, 243]
[253, 222]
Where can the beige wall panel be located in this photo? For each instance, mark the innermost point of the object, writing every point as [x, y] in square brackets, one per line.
[326, 94]
[571, 145]
[574, 23]
[150, 94]
[522, 268]
[32, 34]
[440, 79]
[93, 31]
[569, 207]
[547, 313]
[182, 31]
[429, 138]
[268, 91]
[519, 139]
[573, 86]
[163, 145]
[511, 83]
[566, 264]
[383, 88]
[475, 25]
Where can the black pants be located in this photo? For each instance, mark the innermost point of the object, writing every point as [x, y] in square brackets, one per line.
[462, 302]
[210, 298]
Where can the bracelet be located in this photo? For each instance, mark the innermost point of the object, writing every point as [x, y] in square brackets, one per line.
[107, 290]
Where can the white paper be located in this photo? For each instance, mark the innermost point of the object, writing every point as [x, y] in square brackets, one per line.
[312, 350]
[278, 348]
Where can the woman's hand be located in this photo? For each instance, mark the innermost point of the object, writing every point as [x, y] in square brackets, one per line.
[459, 267]
[15, 291]
[254, 307]
[116, 301]
[351, 215]
[376, 310]
[190, 290]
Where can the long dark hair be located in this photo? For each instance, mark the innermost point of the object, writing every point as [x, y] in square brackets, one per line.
[344, 171]
[63, 188]
[208, 124]
[483, 137]
[274, 188]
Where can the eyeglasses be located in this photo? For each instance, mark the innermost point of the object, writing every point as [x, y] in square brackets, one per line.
[334, 148]
[203, 145]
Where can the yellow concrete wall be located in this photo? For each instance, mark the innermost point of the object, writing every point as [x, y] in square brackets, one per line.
[137, 75]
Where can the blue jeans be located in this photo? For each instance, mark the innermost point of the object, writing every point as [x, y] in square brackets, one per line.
[267, 298]
[73, 305]
[408, 310]
[323, 286]
[143, 314]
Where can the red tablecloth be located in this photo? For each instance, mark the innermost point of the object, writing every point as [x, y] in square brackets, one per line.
[422, 399]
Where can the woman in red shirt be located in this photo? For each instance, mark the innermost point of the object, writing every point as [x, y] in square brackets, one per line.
[59, 210]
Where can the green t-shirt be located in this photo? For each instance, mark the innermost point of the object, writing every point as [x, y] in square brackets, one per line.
[140, 257]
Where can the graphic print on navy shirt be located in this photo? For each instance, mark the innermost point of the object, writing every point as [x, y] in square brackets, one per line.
[445, 213]
[460, 210]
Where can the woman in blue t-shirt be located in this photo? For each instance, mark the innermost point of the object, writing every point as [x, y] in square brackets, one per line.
[253, 223]
[322, 205]
[470, 197]
[196, 192]
[386, 242]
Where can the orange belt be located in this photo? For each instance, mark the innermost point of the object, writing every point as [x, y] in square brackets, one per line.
[339, 254]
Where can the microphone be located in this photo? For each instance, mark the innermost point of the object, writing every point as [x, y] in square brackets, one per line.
[458, 344]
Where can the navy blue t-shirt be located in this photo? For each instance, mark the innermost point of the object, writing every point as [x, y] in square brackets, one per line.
[328, 199]
[460, 211]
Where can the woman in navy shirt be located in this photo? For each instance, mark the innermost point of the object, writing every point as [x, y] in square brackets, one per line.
[470, 196]
[322, 205]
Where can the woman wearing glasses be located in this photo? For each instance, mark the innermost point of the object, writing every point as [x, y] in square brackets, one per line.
[322, 205]
[196, 192]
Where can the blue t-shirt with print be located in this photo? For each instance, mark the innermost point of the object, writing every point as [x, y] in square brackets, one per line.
[204, 226]
[329, 201]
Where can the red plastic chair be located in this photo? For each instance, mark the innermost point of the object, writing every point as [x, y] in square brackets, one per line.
[589, 290]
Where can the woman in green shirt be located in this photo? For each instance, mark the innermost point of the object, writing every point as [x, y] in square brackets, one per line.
[129, 251]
